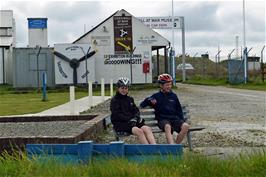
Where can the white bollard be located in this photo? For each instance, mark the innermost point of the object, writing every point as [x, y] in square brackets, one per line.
[102, 88]
[90, 94]
[111, 88]
[72, 99]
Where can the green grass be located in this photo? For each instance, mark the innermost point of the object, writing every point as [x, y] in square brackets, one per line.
[14, 102]
[255, 85]
[192, 165]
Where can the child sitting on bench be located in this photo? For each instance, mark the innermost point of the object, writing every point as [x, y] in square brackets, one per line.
[168, 110]
[125, 115]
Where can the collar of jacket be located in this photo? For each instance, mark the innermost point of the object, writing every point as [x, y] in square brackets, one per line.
[165, 93]
[120, 95]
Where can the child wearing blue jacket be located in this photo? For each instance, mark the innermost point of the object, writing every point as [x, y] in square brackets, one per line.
[168, 110]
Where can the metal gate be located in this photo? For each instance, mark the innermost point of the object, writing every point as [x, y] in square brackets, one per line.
[235, 71]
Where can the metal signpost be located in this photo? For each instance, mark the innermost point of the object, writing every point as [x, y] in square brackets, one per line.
[173, 22]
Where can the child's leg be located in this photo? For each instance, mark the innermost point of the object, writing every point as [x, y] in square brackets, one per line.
[140, 134]
[148, 133]
[168, 133]
[182, 133]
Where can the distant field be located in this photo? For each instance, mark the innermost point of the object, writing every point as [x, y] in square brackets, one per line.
[14, 102]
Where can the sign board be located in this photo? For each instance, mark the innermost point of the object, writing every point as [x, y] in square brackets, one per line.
[161, 22]
[37, 23]
[122, 34]
[63, 70]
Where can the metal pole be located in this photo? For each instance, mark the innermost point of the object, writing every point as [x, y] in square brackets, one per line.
[229, 55]
[44, 83]
[173, 45]
[131, 75]
[3, 56]
[183, 49]
[244, 44]
[216, 61]
[261, 54]
[237, 38]
[130, 62]
[38, 79]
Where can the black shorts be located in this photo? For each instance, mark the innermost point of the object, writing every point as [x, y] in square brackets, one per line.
[127, 127]
[175, 124]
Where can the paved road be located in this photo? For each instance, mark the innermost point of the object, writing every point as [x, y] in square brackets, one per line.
[75, 107]
[232, 117]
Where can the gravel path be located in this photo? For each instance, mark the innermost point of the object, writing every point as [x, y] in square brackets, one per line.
[40, 129]
[232, 117]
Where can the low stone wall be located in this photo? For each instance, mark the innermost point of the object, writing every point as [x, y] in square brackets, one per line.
[15, 133]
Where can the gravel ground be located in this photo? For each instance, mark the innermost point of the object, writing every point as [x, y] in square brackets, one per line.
[232, 117]
[40, 129]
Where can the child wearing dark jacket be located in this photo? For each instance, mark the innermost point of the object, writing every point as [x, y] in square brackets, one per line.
[168, 110]
[125, 115]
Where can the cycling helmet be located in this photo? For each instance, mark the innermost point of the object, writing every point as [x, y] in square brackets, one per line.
[164, 78]
[123, 81]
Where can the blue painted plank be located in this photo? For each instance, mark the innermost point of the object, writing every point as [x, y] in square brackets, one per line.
[100, 149]
[52, 148]
[161, 149]
[85, 151]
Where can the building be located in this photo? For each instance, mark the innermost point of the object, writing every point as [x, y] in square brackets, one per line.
[124, 47]
[37, 29]
[7, 42]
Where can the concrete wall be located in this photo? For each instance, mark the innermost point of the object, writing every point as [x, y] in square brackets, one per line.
[25, 70]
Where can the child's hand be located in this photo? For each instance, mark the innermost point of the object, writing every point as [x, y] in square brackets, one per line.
[153, 101]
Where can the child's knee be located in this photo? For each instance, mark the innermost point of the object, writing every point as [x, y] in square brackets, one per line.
[185, 126]
[137, 131]
[146, 128]
[167, 128]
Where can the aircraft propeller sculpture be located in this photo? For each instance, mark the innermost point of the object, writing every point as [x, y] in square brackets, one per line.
[74, 62]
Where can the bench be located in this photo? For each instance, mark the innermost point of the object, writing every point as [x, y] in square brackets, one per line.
[149, 117]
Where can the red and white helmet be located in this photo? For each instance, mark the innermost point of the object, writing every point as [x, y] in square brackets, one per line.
[164, 78]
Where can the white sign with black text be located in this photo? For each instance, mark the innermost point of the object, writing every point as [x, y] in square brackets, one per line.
[161, 22]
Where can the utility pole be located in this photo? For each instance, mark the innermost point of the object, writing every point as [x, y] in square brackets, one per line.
[216, 61]
[173, 46]
[244, 44]
[183, 49]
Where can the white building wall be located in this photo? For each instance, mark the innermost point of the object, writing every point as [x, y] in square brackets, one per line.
[37, 32]
[102, 40]
[38, 37]
[7, 42]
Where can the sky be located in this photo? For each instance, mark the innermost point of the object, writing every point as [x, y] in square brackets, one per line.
[208, 24]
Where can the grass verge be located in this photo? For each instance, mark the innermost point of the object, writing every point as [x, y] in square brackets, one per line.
[192, 165]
